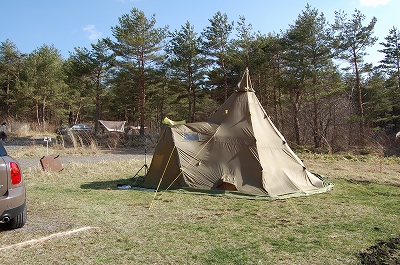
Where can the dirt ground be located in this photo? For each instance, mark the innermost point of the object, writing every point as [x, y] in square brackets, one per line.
[384, 252]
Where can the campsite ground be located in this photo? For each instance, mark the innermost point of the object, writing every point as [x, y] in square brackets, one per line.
[79, 215]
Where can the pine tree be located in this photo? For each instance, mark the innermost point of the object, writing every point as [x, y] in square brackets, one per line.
[307, 64]
[351, 40]
[42, 80]
[186, 63]
[138, 42]
[215, 46]
[11, 60]
[391, 62]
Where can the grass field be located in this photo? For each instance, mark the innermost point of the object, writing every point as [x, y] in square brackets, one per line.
[337, 227]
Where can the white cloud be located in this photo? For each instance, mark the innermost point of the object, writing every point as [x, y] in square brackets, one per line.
[373, 2]
[94, 34]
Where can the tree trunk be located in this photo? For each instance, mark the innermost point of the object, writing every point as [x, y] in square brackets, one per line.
[275, 98]
[282, 120]
[70, 117]
[37, 113]
[359, 96]
[43, 113]
[193, 89]
[97, 103]
[142, 94]
[8, 97]
[194, 105]
[296, 111]
[317, 133]
[161, 106]
[78, 111]
[189, 92]
[398, 74]
[225, 81]
[317, 136]
[97, 114]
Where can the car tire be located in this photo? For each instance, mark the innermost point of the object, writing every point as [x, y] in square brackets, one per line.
[19, 221]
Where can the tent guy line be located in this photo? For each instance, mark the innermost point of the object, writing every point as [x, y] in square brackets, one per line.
[182, 170]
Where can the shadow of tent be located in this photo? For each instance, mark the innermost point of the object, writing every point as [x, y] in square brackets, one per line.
[111, 184]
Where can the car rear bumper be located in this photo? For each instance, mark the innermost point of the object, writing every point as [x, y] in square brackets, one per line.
[12, 204]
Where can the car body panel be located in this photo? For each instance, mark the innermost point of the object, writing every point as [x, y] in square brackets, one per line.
[12, 204]
[76, 128]
[3, 178]
[12, 196]
[80, 127]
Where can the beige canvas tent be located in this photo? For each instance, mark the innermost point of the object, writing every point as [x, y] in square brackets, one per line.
[237, 150]
[113, 126]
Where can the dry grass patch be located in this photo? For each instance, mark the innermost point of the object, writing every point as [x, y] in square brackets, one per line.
[40, 151]
[381, 170]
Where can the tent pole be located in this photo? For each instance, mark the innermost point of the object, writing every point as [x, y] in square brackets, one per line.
[144, 165]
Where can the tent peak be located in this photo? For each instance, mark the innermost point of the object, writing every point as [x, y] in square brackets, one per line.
[245, 83]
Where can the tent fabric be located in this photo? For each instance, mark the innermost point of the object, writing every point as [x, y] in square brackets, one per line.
[245, 82]
[114, 126]
[237, 150]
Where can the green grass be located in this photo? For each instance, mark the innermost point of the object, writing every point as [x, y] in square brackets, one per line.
[181, 228]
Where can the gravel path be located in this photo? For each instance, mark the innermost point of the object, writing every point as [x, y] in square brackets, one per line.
[122, 154]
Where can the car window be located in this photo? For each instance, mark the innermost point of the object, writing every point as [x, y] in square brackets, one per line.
[3, 151]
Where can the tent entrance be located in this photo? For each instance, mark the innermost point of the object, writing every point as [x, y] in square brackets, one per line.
[226, 186]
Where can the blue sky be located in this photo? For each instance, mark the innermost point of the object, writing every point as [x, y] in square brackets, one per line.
[78, 23]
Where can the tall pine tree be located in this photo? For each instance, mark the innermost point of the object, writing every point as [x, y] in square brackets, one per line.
[138, 42]
[351, 40]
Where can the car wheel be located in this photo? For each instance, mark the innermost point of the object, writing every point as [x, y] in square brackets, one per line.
[19, 221]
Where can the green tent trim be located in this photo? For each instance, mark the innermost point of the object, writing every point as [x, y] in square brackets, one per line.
[170, 122]
[328, 185]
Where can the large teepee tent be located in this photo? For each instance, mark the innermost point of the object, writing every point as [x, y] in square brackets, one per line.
[237, 150]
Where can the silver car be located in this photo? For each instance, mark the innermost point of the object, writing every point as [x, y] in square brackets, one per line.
[12, 192]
